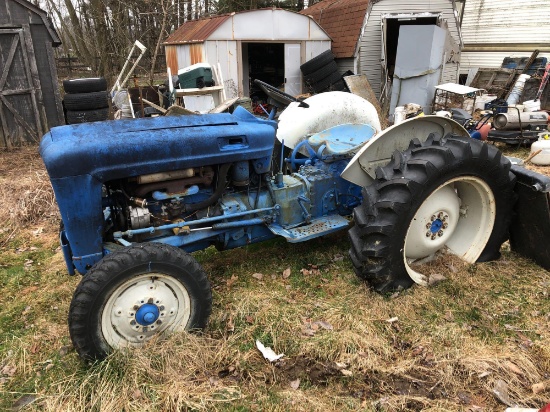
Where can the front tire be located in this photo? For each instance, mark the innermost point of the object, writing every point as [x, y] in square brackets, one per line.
[453, 193]
[137, 293]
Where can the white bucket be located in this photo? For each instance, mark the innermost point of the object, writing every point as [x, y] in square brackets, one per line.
[399, 114]
[543, 158]
[484, 98]
[515, 94]
[531, 106]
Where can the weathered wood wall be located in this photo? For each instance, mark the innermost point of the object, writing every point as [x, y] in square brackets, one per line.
[30, 102]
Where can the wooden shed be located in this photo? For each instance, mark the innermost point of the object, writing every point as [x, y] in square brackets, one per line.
[30, 103]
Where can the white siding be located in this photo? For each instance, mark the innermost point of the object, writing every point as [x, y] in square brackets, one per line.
[345, 64]
[371, 41]
[315, 48]
[489, 59]
[225, 53]
[520, 24]
[269, 25]
[506, 21]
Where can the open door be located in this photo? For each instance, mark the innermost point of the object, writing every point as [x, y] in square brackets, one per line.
[293, 76]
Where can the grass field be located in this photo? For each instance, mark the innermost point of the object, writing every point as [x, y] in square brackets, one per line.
[473, 342]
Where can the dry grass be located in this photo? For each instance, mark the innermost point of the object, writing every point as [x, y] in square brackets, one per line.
[442, 348]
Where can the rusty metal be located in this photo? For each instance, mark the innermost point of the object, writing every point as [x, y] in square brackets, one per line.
[174, 186]
[196, 31]
[196, 53]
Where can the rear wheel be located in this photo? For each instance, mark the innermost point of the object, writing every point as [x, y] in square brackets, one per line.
[137, 293]
[449, 194]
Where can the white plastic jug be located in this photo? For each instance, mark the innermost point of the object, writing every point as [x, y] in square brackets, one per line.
[543, 158]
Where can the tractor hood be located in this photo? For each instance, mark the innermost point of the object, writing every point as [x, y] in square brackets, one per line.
[122, 148]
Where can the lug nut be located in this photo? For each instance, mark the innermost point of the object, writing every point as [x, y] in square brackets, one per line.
[150, 300]
[136, 307]
[161, 307]
[445, 225]
[428, 234]
[433, 237]
[440, 233]
[428, 225]
[133, 322]
[440, 215]
[159, 322]
[433, 217]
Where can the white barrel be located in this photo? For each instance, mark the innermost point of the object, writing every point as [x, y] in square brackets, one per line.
[531, 106]
[543, 158]
[515, 94]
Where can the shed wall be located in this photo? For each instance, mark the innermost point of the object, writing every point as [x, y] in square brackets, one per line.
[503, 28]
[371, 40]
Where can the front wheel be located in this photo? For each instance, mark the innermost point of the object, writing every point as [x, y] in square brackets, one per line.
[450, 194]
[137, 293]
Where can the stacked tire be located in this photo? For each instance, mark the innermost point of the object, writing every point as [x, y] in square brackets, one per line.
[86, 100]
[321, 74]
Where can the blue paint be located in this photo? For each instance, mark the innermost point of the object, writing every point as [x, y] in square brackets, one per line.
[93, 176]
[147, 314]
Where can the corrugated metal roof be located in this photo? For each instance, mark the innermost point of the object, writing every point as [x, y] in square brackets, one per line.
[342, 20]
[196, 31]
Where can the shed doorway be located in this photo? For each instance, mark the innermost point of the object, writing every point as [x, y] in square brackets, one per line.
[265, 62]
[391, 24]
[277, 64]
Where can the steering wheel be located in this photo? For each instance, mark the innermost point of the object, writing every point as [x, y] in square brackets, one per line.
[277, 95]
[295, 163]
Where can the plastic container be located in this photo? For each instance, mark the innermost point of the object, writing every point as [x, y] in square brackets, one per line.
[515, 94]
[399, 114]
[543, 158]
[531, 106]
[483, 99]
[198, 75]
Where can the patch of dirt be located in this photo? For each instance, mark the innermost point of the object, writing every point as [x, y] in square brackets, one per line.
[305, 368]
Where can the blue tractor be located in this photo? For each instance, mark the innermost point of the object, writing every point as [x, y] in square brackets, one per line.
[138, 196]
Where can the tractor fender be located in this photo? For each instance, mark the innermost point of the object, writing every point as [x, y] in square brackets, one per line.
[379, 149]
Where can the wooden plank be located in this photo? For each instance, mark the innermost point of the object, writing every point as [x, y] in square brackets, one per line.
[19, 119]
[37, 95]
[32, 76]
[153, 105]
[9, 61]
[4, 124]
[15, 92]
[53, 75]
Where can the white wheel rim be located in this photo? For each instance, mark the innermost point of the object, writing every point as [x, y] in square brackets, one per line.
[165, 301]
[457, 217]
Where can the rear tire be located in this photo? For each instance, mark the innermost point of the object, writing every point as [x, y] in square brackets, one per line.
[86, 101]
[88, 85]
[87, 116]
[450, 193]
[134, 294]
[317, 62]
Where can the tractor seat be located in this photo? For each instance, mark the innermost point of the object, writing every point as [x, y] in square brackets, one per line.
[343, 139]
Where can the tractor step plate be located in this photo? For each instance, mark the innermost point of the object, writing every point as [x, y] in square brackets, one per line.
[318, 227]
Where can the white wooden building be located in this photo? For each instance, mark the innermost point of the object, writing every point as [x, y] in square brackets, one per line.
[495, 29]
[267, 44]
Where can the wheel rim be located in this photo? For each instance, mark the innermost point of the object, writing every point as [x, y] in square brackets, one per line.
[458, 217]
[145, 306]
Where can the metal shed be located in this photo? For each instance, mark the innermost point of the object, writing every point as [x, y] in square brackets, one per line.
[30, 103]
[365, 34]
[266, 44]
[495, 29]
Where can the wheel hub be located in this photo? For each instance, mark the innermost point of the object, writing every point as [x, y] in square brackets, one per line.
[147, 314]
